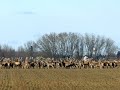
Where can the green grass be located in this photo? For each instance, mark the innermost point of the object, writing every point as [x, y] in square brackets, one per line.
[59, 79]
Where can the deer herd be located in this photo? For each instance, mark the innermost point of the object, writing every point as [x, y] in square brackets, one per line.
[51, 63]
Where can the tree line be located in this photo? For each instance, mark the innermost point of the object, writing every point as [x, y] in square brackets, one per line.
[61, 45]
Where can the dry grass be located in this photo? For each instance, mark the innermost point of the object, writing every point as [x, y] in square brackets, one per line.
[60, 79]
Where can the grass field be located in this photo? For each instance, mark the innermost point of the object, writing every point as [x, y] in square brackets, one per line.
[59, 79]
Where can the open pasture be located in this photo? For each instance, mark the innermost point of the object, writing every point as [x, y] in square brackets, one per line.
[60, 79]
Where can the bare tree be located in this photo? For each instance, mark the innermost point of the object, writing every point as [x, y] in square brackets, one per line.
[7, 51]
[110, 48]
[89, 44]
[21, 52]
[70, 45]
[47, 44]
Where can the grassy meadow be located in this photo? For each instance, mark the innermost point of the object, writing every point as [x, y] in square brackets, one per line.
[60, 79]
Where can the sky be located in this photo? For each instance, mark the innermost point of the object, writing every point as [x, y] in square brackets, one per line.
[25, 20]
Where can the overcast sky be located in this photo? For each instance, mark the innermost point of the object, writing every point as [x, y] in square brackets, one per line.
[24, 20]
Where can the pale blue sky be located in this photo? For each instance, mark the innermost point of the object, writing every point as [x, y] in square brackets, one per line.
[24, 20]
